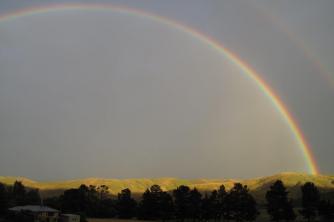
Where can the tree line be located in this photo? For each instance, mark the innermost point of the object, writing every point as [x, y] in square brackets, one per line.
[17, 195]
[181, 204]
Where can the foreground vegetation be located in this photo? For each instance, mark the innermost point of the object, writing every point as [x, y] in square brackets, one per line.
[181, 204]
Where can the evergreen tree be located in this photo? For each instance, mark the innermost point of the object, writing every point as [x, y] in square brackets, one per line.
[206, 214]
[166, 208]
[195, 199]
[107, 208]
[222, 202]
[150, 207]
[214, 205]
[181, 200]
[18, 193]
[53, 202]
[326, 210]
[72, 201]
[126, 205]
[33, 197]
[310, 201]
[156, 193]
[145, 206]
[242, 205]
[83, 200]
[3, 199]
[278, 205]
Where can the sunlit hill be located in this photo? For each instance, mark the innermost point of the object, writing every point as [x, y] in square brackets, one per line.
[257, 186]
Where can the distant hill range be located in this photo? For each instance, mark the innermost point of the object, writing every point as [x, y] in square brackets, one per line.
[257, 186]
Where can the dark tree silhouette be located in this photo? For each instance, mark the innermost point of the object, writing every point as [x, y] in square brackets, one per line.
[107, 208]
[214, 205]
[310, 201]
[53, 202]
[73, 200]
[195, 198]
[145, 206]
[181, 200]
[87, 201]
[211, 208]
[151, 205]
[222, 202]
[156, 192]
[278, 205]
[156, 204]
[33, 197]
[242, 205]
[103, 191]
[326, 210]
[18, 193]
[206, 212]
[126, 205]
[4, 198]
[166, 207]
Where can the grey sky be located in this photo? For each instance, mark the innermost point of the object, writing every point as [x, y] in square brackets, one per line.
[110, 95]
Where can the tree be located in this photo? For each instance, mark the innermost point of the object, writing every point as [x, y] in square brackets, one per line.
[71, 201]
[33, 197]
[278, 205]
[214, 205]
[126, 205]
[156, 192]
[195, 199]
[3, 199]
[326, 210]
[53, 202]
[87, 201]
[107, 208]
[144, 207]
[310, 201]
[206, 208]
[18, 193]
[222, 202]
[166, 206]
[151, 205]
[181, 200]
[83, 200]
[242, 205]
[103, 191]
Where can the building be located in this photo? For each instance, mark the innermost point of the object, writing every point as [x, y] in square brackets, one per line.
[35, 213]
[69, 218]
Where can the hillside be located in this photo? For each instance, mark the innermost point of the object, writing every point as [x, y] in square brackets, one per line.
[258, 186]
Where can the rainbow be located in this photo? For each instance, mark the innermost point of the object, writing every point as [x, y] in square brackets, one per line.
[322, 69]
[228, 54]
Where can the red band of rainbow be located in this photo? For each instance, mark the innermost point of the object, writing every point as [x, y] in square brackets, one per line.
[232, 57]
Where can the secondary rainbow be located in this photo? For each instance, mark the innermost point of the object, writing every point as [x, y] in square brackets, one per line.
[228, 54]
[321, 68]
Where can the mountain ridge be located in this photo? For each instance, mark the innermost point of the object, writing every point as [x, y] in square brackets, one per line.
[288, 177]
[257, 186]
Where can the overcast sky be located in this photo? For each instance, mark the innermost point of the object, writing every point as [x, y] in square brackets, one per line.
[91, 93]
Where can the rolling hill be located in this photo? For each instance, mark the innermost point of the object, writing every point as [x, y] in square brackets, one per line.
[257, 186]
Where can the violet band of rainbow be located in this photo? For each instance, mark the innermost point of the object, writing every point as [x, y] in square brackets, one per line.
[233, 58]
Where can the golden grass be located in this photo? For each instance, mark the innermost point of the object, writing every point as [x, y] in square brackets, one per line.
[140, 185]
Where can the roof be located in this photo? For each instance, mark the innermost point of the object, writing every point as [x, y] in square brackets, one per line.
[34, 208]
[70, 215]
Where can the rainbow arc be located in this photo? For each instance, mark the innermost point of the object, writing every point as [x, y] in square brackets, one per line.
[226, 53]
